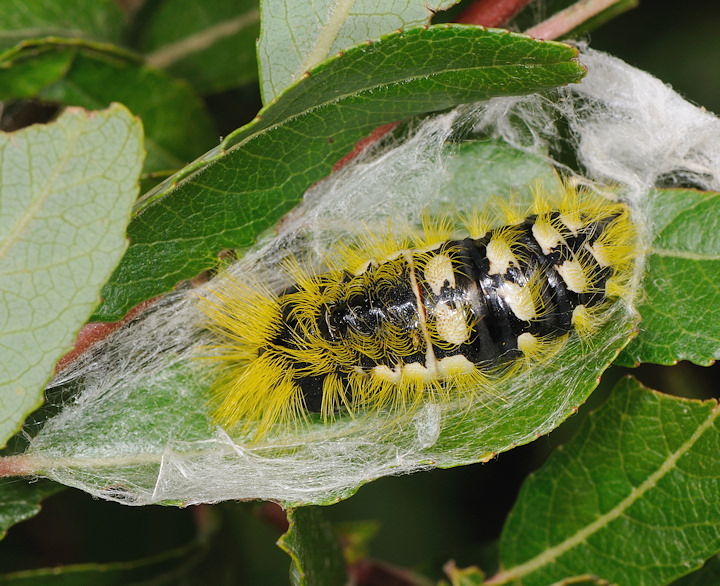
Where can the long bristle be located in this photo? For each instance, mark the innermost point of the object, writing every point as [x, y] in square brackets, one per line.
[257, 385]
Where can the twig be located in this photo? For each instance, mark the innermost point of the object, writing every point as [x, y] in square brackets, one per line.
[492, 12]
[566, 20]
[19, 465]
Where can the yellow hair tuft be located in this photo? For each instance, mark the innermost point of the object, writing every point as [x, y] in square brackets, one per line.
[395, 318]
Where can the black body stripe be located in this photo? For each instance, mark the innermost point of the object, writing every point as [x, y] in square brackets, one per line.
[367, 307]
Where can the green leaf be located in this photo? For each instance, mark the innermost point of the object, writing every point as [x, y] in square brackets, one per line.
[176, 124]
[640, 478]
[33, 65]
[177, 127]
[20, 500]
[149, 437]
[38, 40]
[296, 36]
[681, 296]
[164, 568]
[230, 196]
[66, 191]
[27, 74]
[493, 167]
[99, 20]
[314, 548]
[211, 44]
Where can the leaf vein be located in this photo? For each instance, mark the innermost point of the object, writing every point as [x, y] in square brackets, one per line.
[174, 52]
[551, 554]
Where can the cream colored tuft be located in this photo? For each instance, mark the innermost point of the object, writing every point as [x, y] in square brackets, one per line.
[386, 374]
[415, 371]
[450, 324]
[600, 253]
[528, 344]
[573, 221]
[455, 365]
[546, 235]
[438, 271]
[500, 255]
[520, 299]
[572, 273]
[583, 321]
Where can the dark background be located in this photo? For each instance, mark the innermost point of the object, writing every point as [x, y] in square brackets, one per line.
[679, 42]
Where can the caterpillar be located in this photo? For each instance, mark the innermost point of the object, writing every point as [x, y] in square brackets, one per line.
[392, 321]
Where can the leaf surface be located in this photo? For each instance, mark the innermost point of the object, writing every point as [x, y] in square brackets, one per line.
[234, 193]
[151, 438]
[177, 127]
[708, 574]
[640, 478]
[314, 549]
[682, 281]
[163, 568]
[66, 191]
[296, 36]
[211, 44]
[20, 500]
[98, 20]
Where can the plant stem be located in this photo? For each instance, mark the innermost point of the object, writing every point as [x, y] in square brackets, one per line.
[19, 465]
[566, 20]
[492, 12]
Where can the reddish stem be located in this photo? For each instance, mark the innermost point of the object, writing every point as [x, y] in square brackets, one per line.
[492, 12]
[19, 465]
[566, 20]
[92, 333]
[361, 145]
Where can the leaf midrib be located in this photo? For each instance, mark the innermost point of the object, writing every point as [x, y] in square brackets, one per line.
[684, 254]
[151, 198]
[227, 145]
[364, 90]
[171, 53]
[38, 33]
[551, 554]
[328, 36]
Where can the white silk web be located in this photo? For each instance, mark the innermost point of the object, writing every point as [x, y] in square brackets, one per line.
[138, 430]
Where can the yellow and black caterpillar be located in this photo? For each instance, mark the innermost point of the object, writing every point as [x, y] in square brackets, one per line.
[394, 321]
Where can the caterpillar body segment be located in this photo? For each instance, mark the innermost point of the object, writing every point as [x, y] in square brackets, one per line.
[438, 315]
